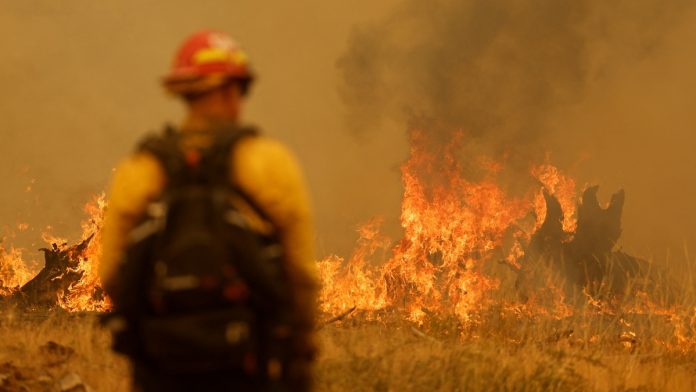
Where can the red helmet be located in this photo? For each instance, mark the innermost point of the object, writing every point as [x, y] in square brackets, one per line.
[206, 60]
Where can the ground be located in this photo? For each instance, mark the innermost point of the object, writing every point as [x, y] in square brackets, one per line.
[59, 352]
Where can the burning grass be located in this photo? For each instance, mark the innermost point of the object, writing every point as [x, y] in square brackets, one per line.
[623, 345]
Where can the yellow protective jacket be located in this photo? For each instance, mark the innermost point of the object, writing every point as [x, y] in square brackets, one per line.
[265, 170]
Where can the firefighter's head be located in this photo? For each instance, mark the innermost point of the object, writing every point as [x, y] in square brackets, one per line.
[211, 74]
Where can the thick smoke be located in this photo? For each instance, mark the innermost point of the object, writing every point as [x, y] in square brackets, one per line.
[496, 69]
[603, 87]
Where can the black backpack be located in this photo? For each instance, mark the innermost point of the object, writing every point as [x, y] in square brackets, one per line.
[200, 290]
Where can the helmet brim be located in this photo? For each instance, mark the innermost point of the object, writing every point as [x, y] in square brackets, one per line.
[185, 85]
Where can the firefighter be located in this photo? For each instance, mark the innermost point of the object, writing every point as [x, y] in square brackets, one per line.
[212, 76]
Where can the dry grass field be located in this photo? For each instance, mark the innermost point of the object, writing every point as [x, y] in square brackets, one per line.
[39, 352]
[60, 352]
[370, 357]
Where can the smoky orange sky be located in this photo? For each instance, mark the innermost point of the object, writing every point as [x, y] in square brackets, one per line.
[605, 90]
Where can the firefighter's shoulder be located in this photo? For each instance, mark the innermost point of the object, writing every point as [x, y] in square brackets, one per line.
[269, 171]
[137, 179]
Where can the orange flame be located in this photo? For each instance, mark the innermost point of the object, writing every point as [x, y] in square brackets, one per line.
[451, 226]
[86, 294]
[560, 186]
[13, 270]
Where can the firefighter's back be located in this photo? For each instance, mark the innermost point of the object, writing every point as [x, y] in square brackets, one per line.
[263, 192]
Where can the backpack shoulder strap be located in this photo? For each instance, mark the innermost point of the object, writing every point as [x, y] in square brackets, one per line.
[221, 154]
[164, 146]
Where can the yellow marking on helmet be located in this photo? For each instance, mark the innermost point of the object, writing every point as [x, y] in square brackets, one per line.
[219, 55]
[211, 55]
